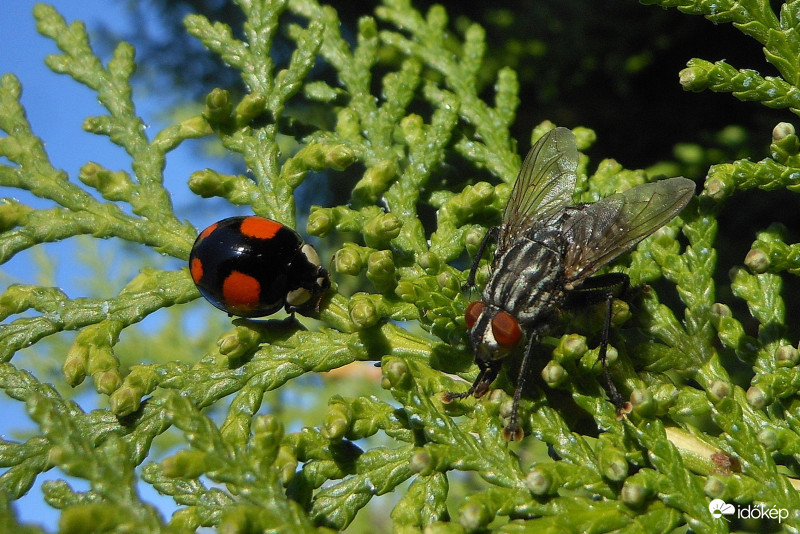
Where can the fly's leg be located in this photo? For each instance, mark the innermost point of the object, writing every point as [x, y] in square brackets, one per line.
[488, 372]
[512, 431]
[622, 406]
[491, 235]
[596, 289]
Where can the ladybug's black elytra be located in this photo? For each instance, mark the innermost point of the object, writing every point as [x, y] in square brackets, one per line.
[252, 266]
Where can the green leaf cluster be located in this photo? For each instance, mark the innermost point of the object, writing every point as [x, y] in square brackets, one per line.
[714, 393]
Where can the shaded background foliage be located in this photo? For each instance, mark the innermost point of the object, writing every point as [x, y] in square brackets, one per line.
[602, 64]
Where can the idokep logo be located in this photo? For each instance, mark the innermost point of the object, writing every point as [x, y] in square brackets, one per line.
[720, 508]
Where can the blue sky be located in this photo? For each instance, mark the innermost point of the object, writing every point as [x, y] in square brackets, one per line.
[56, 107]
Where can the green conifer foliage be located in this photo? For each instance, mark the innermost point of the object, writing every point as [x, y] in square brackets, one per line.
[401, 105]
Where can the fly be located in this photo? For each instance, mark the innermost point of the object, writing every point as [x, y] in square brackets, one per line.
[547, 252]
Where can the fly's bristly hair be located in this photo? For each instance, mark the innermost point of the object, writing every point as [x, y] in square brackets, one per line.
[547, 249]
[525, 277]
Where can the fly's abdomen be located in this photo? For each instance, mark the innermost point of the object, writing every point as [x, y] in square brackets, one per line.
[527, 280]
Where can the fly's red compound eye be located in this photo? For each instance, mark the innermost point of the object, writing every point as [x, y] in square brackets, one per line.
[506, 330]
[473, 312]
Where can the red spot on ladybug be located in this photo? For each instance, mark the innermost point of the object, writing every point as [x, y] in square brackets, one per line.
[207, 232]
[474, 311]
[260, 228]
[252, 267]
[506, 330]
[196, 268]
[241, 291]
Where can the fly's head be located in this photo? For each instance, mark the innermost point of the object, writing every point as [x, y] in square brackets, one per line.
[493, 332]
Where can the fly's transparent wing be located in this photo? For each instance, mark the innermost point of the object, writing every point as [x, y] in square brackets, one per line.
[544, 185]
[599, 232]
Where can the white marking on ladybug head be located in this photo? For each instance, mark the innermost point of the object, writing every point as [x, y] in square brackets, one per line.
[298, 297]
[311, 254]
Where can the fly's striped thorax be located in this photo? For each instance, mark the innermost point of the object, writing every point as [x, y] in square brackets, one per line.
[527, 279]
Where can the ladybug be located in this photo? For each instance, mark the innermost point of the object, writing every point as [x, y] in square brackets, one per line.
[252, 266]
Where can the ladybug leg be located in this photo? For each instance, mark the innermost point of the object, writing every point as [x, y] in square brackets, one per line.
[323, 284]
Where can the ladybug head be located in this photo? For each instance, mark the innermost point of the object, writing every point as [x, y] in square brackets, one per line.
[316, 281]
